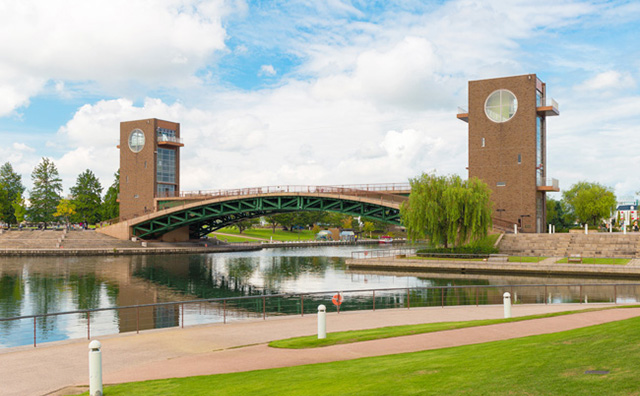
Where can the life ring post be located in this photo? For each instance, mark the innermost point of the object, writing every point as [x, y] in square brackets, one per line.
[337, 300]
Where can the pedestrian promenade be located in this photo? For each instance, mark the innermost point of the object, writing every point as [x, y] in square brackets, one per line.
[56, 368]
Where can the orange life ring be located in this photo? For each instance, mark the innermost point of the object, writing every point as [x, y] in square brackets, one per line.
[337, 299]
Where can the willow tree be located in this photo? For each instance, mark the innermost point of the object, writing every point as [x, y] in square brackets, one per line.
[448, 210]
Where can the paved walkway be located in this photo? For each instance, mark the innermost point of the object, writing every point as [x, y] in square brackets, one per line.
[212, 349]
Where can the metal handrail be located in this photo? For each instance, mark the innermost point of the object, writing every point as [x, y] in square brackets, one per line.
[301, 296]
[351, 189]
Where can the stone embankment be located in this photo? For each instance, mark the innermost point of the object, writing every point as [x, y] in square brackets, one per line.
[90, 243]
[608, 245]
[548, 267]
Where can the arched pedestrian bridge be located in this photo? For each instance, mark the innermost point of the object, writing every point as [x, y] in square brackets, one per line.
[194, 214]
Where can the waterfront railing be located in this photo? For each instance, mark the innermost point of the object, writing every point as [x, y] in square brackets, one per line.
[89, 323]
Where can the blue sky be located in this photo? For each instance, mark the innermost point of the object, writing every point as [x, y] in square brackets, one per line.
[297, 92]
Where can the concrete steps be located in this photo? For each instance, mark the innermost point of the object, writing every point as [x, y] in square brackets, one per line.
[52, 239]
[562, 245]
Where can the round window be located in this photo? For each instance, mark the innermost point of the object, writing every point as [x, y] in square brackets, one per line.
[501, 106]
[136, 140]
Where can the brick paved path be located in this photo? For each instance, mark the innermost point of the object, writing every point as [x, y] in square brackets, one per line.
[214, 349]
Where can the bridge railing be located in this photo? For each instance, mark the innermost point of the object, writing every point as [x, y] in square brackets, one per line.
[34, 329]
[377, 191]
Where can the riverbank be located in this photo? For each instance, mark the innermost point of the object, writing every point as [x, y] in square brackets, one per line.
[89, 243]
[548, 267]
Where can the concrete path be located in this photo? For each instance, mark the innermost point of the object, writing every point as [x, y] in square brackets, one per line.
[211, 349]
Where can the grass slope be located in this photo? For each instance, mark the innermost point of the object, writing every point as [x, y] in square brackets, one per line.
[267, 234]
[552, 364]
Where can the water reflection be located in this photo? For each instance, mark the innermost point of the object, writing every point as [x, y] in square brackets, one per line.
[35, 285]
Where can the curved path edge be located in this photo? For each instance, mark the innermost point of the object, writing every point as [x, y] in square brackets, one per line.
[241, 346]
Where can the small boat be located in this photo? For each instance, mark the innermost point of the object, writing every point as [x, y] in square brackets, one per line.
[385, 239]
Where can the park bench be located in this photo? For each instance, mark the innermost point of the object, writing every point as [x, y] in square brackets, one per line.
[575, 258]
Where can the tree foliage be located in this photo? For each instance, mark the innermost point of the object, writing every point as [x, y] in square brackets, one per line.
[87, 198]
[590, 202]
[65, 209]
[19, 208]
[559, 214]
[45, 195]
[245, 224]
[110, 206]
[10, 188]
[369, 227]
[447, 209]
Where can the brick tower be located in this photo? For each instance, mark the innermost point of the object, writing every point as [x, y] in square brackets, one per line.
[507, 147]
[149, 164]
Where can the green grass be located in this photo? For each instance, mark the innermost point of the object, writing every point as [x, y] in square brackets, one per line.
[596, 260]
[551, 364]
[444, 258]
[525, 259]
[279, 235]
[348, 337]
[233, 239]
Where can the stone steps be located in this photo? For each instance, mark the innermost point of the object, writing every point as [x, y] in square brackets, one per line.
[563, 245]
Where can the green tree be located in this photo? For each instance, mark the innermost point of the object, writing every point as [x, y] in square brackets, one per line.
[110, 206]
[11, 184]
[449, 210]
[559, 215]
[286, 220]
[245, 224]
[19, 208]
[65, 209]
[45, 195]
[590, 202]
[87, 198]
[369, 227]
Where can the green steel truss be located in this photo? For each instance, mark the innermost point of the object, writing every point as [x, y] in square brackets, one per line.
[209, 217]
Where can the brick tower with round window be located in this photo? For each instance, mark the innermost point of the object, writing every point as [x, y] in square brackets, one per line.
[149, 164]
[507, 147]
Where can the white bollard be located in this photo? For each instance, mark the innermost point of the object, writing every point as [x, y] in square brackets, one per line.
[515, 229]
[507, 305]
[95, 368]
[586, 299]
[549, 228]
[554, 229]
[586, 229]
[322, 321]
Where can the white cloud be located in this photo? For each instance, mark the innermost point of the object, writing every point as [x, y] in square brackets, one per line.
[371, 101]
[111, 42]
[267, 70]
[609, 80]
[22, 147]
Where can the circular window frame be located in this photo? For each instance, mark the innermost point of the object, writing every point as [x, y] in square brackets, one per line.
[138, 147]
[501, 118]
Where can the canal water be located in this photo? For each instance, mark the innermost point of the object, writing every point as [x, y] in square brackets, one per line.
[44, 285]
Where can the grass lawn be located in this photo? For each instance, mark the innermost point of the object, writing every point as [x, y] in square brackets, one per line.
[348, 337]
[279, 235]
[595, 260]
[444, 258]
[233, 239]
[550, 364]
[525, 259]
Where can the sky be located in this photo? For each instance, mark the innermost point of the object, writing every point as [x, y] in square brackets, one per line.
[313, 92]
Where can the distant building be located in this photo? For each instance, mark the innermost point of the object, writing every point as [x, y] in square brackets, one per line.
[626, 213]
[507, 147]
[149, 164]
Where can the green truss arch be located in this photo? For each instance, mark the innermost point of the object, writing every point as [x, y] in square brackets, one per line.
[207, 216]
